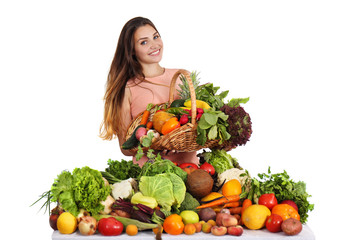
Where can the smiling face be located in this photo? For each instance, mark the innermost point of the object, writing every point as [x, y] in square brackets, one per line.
[148, 45]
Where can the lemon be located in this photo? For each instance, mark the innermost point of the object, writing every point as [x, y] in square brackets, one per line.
[254, 216]
[66, 223]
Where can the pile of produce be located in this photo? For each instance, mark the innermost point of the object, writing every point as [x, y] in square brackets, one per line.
[217, 196]
[226, 122]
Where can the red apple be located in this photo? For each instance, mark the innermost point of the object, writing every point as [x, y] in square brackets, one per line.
[235, 230]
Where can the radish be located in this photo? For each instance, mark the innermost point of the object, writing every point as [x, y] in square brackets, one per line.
[141, 131]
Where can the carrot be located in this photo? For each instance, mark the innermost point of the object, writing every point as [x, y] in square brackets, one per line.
[246, 203]
[146, 114]
[149, 125]
[232, 204]
[235, 210]
[221, 201]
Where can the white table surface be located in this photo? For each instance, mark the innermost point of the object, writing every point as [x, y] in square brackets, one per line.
[305, 234]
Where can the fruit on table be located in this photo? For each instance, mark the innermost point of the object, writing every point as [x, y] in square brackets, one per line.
[170, 125]
[273, 223]
[189, 229]
[131, 230]
[160, 118]
[285, 211]
[268, 199]
[199, 183]
[229, 221]
[254, 216]
[235, 230]
[110, 226]
[189, 216]
[66, 223]
[232, 187]
[218, 230]
[173, 224]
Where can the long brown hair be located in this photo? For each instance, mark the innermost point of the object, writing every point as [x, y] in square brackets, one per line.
[124, 67]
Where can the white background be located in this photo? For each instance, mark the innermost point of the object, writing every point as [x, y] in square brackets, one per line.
[297, 60]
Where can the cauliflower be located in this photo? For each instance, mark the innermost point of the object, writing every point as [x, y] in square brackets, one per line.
[234, 173]
[124, 189]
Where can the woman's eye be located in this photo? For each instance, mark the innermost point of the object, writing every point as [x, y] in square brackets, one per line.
[156, 36]
[143, 42]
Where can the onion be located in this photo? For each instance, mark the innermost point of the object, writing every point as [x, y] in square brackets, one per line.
[87, 225]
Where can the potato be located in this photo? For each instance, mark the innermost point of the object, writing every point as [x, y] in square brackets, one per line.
[291, 226]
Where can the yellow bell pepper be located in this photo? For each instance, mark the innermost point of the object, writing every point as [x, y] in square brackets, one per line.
[199, 104]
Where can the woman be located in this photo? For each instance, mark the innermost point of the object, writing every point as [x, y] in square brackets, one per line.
[134, 80]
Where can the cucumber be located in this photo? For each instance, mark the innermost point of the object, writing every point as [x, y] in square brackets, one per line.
[178, 103]
[132, 141]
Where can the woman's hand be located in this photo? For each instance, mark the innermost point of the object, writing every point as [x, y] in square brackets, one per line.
[169, 152]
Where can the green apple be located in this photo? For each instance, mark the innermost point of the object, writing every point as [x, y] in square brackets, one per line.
[189, 216]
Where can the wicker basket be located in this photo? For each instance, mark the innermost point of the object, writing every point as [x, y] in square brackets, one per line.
[182, 139]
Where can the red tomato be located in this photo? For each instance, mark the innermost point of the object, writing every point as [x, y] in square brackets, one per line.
[273, 223]
[188, 165]
[268, 199]
[110, 226]
[291, 203]
[208, 167]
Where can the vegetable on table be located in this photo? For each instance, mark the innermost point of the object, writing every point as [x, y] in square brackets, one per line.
[221, 201]
[121, 170]
[84, 188]
[145, 200]
[284, 188]
[124, 189]
[128, 221]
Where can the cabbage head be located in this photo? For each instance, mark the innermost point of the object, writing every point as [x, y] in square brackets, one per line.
[168, 189]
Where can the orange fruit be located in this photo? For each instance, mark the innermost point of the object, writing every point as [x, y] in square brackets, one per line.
[173, 224]
[285, 211]
[160, 118]
[254, 216]
[232, 187]
[170, 125]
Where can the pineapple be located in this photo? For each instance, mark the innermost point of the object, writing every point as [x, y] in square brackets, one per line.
[184, 91]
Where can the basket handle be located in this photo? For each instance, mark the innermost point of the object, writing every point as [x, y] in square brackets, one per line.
[191, 88]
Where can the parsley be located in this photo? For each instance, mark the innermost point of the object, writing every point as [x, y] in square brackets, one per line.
[284, 188]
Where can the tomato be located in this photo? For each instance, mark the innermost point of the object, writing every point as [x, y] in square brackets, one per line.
[285, 211]
[173, 224]
[273, 223]
[291, 203]
[188, 165]
[268, 199]
[208, 167]
[110, 226]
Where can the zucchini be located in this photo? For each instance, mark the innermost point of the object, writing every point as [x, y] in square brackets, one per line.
[132, 141]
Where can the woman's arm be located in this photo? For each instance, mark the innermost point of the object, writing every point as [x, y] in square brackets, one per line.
[125, 121]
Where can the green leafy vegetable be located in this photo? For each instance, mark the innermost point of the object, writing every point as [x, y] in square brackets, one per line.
[83, 189]
[168, 189]
[123, 169]
[157, 165]
[284, 188]
[219, 159]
